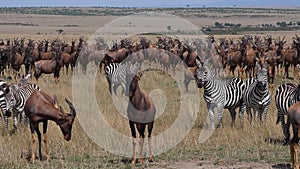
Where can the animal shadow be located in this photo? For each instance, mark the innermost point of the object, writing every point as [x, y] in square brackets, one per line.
[281, 166]
[274, 141]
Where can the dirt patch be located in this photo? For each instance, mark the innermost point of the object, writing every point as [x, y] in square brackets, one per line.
[198, 164]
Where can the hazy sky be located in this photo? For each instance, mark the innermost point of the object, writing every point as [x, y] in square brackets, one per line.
[153, 3]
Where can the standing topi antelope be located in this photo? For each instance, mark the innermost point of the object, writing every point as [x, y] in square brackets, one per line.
[141, 111]
[294, 119]
[40, 107]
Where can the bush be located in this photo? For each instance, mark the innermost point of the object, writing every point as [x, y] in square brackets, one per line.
[219, 25]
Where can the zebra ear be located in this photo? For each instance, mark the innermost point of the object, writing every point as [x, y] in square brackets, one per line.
[205, 63]
[13, 87]
[199, 64]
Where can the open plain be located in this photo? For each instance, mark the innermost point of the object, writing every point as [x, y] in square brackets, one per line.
[257, 146]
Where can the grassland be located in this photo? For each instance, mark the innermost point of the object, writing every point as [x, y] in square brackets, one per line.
[250, 146]
[255, 146]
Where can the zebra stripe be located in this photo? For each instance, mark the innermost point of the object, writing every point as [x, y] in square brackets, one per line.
[257, 95]
[3, 85]
[219, 93]
[116, 76]
[285, 96]
[16, 100]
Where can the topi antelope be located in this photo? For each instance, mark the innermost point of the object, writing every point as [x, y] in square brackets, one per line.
[40, 107]
[141, 111]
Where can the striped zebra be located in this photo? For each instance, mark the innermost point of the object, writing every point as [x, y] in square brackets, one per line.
[116, 76]
[5, 114]
[16, 98]
[286, 95]
[220, 94]
[257, 96]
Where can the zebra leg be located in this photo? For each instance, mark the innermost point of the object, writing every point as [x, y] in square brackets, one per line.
[233, 114]
[264, 114]
[220, 115]
[23, 119]
[249, 113]
[115, 87]
[211, 116]
[15, 119]
[6, 121]
[256, 114]
[241, 113]
[286, 131]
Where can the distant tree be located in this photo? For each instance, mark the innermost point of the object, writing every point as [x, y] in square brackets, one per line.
[238, 25]
[208, 29]
[278, 23]
[169, 27]
[59, 31]
[219, 25]
[283, 24]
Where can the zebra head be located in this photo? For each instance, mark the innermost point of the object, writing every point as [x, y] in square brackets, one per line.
[131, 74]
[262, 77]
[10, 96]
[203, 74]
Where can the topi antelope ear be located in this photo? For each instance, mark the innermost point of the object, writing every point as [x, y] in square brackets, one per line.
[139, 75]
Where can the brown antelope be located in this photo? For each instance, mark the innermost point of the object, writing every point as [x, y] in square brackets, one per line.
[141, 111]
[40, 107]
[294, 119]
[48, 67]
[189, 75]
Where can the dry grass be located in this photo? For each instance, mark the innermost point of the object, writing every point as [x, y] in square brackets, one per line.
[227, 146]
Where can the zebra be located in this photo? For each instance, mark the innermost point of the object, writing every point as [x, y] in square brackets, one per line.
[16, 98]
[219, 93]
[257, 96]
[286, 95]
[5, 113]
[116, 76]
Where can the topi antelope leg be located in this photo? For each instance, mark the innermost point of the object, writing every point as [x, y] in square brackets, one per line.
[141, 141]
[292, 160]
[45, 124]
[134, 142]
[150, 127]
[37, 130]
[141, 128]
[33, 142]
[294, 155]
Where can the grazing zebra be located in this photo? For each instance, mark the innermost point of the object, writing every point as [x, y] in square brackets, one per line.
[16, 98]
[257, 96]
[286, 95]
[227, 93]
[116, 76]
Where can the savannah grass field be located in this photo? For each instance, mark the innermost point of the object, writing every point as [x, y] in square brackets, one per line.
[257, 146]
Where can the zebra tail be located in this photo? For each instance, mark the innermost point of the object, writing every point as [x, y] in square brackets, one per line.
[278, 119]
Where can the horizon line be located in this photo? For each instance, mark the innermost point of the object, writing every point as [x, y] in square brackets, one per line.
[184, 7]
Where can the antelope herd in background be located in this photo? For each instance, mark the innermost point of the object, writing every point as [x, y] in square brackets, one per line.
[49, 56]
[255, 59]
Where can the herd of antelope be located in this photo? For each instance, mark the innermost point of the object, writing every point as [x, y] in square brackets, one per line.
[50, 56]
